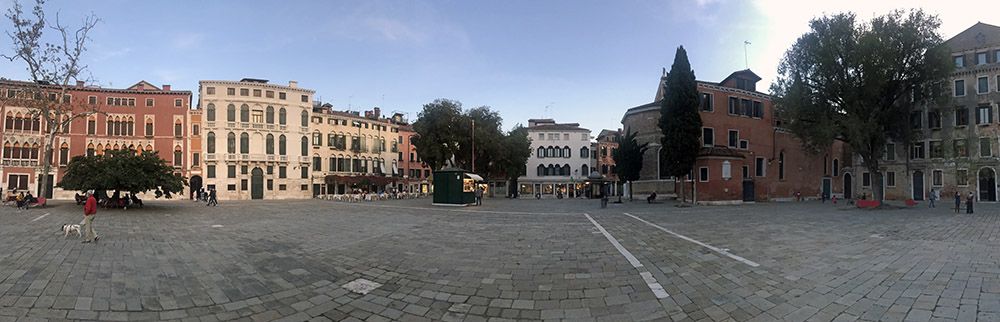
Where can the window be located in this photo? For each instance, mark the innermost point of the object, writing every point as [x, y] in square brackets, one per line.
[64, 154]
[890, 179]
[245, 113]
[866, 179]
[305, 171]
[149, 127]
[985, 147]
[243, 184]
[244, 169]
[269, 144]
[917, 151]
[92, 100]
[282, 145]
[961, 116]
[961, 148]
[916, 121]
[317, 139]
[178, 156]
[707, 136]
[230, 91]
[231, 143]
[585, 152]
[17, 182]
[231, 113]
[758, 109]
[727, 170]
[305, 146]
[244, 92]
[269, 94]
[305, 119]
[734, 138]
[317, 163]
[759, 167]
[959, 61]
[959, 87]
[934, 119]
[231, 171]
[149, 102]
[781, 166]
[937, 149]
[282, 172]
[734, 106]
[281, 95]
[541, 136]
[706, 102]
[194, 130]
[305, 98]
[984, 114]
[836, 167]
[703, 174]
[91, 126]
[210, 144]
[744, 144]
[256, 93]
[983, 85]
[962, 177]
[178, 129]
[178, 103]
[210, 90]
[195, 159]
[746, 107]
[981, 58]
[937, 178]
[269, 115]
[565, 136]
[244, 143]
[210, 112]
[210, 171]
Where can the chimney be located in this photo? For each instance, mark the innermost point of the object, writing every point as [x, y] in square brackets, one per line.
[293, 84]
[377, 112]
[79, 83]
[166, 87]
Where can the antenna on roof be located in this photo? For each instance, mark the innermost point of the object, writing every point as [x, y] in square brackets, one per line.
[745, 60]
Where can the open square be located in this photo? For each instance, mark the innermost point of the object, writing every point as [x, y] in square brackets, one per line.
[509, 259]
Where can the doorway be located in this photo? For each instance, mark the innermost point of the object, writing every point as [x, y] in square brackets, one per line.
[918, 185]
[827, 187]
[748, 193]
[195, 184]
[257, 184]
[987, 185]
[848, 188]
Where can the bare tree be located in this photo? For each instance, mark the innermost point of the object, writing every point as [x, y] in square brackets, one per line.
[52, 64]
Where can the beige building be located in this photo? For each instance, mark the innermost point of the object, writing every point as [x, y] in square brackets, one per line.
[256, 139]
[351, 152]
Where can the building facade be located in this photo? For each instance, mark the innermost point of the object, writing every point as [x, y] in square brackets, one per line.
[604, 162]
[746, 156]
[256, 139]
[958, 143]
[417, 176]
[353, 153]
[560, 160]
[142, 117]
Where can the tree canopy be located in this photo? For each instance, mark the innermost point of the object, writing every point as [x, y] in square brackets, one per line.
[858, 81]
[679, 119]
[122, 170]
[628, 158]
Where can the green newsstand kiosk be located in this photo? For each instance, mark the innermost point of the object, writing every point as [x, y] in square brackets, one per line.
[455, 187]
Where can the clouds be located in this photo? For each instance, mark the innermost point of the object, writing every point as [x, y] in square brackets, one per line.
[187, 41]
[412, 23]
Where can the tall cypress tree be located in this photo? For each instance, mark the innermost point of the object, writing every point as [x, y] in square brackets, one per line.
[679, 120]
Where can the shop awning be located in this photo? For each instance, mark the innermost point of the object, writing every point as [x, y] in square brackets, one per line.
[474, 176]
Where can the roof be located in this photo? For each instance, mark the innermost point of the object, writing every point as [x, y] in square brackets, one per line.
[254, 80]
[980, 35]
[606, 133]
[746, 73]
[558, 127]
[143, 85]
[15, 83]
[720, 151]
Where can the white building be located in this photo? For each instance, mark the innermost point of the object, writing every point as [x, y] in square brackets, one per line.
[560, 161]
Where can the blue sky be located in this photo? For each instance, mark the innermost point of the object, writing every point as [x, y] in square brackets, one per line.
[575, 61]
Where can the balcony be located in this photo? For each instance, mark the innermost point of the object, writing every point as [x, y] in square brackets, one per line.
[232, 157]
[230, 124]
[244, 125]
[258, 126]
[283, 158]
[210, 157]
[270, 126]
[304, 158]
[270, 157]
[19, 163]
[283, 127]
[210, 124]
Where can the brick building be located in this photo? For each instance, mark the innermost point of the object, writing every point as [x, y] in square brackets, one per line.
[604, 163]
[746, 155]
[417, 176]
[256, 143]
[141, 117]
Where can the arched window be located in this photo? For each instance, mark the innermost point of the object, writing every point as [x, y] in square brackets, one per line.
[149, 127]
[178, 129]
[282, 118]
[130, 126]
[269, 115]
[231, 113]
[305, 146]
[7, 150]
[566, 169]
[210, 145]
[244, 113]
[90, 150]
[269, 144]
[178, 156]
[584, 152]
[567, 152]
[550, 152]
[244, 143]
[541, 152]
[541, 170]
[281, 145]
[100, 149]
[317, 138]
[305, 119]
[231, 143]
[149, 148]
[584, 170]
[210, 112]
[781, 165]
[111, 127]
[836, 167]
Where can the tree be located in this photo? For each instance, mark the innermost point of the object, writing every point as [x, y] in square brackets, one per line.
[486, 141]
[854, 81]
[123, 170]
[679, 120]
[628, 158]
[437, 132]
[51, 64]
[514, 152]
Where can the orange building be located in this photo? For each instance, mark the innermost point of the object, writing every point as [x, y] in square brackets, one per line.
[416, 174]
[141, 117]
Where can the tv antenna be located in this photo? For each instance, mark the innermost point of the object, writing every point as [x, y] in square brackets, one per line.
[745, 59]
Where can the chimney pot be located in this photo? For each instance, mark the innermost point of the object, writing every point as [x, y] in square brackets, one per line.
[166, 87]
[79, 83]
[293, 84]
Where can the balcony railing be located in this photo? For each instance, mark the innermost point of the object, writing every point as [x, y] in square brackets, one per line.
[210, 157]
[231, 157]
[244, 125]
[304, 158]
[258, 126]
[20, 163]
[231, 124]
[283, 158]
[270, 126]
[210, 124]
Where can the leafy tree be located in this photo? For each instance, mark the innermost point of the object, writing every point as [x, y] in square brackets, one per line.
[438, 132]
[679, 119]
[52, 64]
[514, 153]
[122, 170]
[853, 81]
[488, 137]
[628, 159]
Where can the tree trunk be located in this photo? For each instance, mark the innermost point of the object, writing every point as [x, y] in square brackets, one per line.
[47, 161]
[630, 190]
[683, 199]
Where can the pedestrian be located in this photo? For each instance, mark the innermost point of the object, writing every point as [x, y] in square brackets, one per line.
[20, 200]
[479, 195]
[968, 203]
[89, 212]
[933, 196]
[211, 198]
[958, 201]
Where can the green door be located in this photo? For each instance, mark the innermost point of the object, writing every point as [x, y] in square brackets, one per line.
[257, 184]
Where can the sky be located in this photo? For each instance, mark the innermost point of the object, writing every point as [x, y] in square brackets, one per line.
[582, 61]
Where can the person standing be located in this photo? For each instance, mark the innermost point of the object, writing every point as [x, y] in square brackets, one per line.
[958, 201]
[479, 195]
[89, 212]
[211, 198]
[968, 203]
[932, 197]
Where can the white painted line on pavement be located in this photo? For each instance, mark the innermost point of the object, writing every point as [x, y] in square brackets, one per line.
[40, 217]
[713, 248]
[645, 274]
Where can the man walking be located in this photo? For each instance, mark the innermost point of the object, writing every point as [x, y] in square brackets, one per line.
[211, 199]
[958, 201]
[89, 212]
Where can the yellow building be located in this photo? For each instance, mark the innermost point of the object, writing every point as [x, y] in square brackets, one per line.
[352, 153]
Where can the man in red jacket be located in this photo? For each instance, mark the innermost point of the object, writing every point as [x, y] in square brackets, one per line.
[89, 211]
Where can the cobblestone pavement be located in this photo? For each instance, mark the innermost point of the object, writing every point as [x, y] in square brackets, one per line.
[506, 260]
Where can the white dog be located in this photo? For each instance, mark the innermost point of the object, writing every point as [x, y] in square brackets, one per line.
[69, 228]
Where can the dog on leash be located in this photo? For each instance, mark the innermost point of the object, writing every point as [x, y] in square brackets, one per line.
[70, 228]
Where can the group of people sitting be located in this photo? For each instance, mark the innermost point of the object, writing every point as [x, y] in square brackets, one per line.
[21, 199]
[115, 201]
